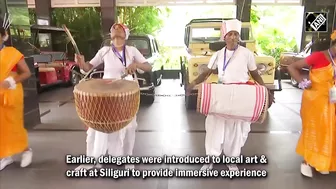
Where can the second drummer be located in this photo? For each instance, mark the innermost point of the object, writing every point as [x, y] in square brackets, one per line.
[233, 64]
[118, 59]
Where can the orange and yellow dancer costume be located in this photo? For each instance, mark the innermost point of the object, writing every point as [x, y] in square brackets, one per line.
[317, 143]
[13, 136]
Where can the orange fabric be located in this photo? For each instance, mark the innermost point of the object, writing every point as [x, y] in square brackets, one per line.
[13, 135]
[317, 143]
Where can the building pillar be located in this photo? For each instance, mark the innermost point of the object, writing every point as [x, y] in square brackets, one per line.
[328, 6]
[243, 12]
[108, 14]
[32, 115]
[43, 12]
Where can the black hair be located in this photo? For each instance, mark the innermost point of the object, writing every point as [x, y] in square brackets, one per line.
[2, 29]
[333, 43]
[321, 45]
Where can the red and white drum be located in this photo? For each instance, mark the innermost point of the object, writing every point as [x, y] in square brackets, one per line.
[234, 101]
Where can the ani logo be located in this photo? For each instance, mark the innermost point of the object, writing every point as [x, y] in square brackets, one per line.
[316, 22]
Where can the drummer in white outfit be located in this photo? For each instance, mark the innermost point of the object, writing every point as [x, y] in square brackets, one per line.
[224, 134]
[118, 59]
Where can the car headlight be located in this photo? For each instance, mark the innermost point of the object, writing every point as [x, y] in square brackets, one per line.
[262, 68]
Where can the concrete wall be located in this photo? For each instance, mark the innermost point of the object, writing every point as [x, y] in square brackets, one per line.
[31, 99]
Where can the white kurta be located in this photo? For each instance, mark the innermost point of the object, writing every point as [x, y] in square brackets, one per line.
[120, 142]
[223, 134]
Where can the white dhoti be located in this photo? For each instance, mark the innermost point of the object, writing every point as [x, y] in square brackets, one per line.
[225, 135]
[230, 108]
[119, 143]
[129, 140]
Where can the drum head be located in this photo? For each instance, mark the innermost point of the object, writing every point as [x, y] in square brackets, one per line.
[107, 86]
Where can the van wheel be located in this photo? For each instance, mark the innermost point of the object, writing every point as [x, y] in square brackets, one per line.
[190, 102]
[74, 79]
[148, 98]
[294, 83]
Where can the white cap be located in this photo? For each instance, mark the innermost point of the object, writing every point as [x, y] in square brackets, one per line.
[230, 25]
[124, 27]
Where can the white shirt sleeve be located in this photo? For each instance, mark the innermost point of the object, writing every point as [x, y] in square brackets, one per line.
[251, 64]
[213, 63]
[98, 58]
[138, 57]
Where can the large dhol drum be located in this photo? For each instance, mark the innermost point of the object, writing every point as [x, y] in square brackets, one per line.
[107, 105]
[243, 102]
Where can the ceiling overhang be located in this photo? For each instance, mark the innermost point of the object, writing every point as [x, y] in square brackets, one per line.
[96, 3]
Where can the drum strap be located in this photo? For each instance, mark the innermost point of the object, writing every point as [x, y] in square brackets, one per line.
[122, 57]
[125, 52]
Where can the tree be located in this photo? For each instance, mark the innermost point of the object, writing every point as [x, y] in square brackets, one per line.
[143, 20]
[271, 41]
[254, 15]
[87, 23]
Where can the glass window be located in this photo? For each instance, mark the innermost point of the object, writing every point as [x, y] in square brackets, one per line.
[205, 34]
[213, 34]
[60, 42]
[44, 40]
[142, 45]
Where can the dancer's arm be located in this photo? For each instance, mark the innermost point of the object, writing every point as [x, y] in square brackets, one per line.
[96, 60]
[23, 71]
[253, 69]
[295, 68]
[210, 69]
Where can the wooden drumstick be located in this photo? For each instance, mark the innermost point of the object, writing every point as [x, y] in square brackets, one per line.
[73, 42]
[71, 39]
[87, 75]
